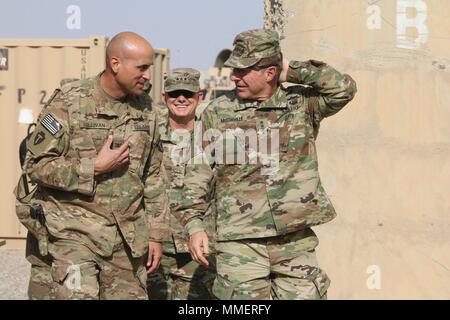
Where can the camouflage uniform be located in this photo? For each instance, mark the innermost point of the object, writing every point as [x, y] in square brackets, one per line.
[265, 247]
[178, 277]
[40, 285]
[98, 225]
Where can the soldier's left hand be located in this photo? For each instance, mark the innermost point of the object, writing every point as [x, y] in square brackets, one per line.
[198, 247]
[109, 159]
[154, 256]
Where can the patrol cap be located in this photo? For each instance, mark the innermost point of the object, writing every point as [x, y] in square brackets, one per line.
[253, 45]
[182, 79]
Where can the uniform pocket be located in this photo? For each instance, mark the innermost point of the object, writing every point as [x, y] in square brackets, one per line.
[141, 274]
[60, 272]
[222, 289]
[75, 281]
[73, 276]
[97, 133]
[139, 149]
[293, 196]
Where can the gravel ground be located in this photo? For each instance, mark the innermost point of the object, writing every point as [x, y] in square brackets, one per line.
[14, 275]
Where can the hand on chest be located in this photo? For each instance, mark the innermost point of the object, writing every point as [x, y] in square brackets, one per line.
[132, 129]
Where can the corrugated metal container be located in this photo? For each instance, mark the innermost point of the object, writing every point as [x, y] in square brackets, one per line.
[30, 70]
[161, 65]
[385, 159]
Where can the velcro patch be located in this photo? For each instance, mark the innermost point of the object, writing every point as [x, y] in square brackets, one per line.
[51, 124]
[141, 127]
[94, 125]
[40, 136]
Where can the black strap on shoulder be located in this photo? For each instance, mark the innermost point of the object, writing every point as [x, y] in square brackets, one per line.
[23, 144]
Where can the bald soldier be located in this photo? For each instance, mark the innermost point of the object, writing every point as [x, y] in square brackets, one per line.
[95, 155]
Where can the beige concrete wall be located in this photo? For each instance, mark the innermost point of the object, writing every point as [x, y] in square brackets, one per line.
[385, 159]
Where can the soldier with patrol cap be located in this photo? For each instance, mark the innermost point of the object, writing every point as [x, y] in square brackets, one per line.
[95, 156]
[179, 277]
[265, 247]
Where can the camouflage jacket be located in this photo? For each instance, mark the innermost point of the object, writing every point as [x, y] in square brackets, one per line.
[80, 206]
[272, 192]
[177, 151]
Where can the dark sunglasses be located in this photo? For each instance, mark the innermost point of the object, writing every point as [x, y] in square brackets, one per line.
[185, 93]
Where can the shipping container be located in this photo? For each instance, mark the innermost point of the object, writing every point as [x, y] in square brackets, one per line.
[30, 70]
[385, 158]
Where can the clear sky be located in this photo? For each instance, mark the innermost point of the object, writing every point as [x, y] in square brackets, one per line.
[195, 31]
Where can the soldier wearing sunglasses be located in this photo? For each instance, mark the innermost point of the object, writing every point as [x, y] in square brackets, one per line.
[179, 276]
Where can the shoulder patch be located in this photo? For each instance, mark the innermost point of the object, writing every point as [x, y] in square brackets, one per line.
[51, 124]
[40, 136]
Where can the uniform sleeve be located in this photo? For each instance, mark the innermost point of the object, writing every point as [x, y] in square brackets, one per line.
[191, 207]
[190, 211]
[154, 192]
[48, 164]
[332, 89]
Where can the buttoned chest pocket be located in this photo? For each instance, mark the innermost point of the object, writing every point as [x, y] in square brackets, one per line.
[238, 144]
[176, 175]
[293, 132]
[139, 139]
[273, 137]
[173, 167]
[175, 185]
[89, 139]
[97, 131]
[300, 140]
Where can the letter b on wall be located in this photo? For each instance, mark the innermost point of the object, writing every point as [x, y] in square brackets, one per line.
[404, 21]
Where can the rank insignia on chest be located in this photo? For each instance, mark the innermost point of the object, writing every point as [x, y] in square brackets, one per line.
[51, 124]
[293, 103]
[261, 124]
[293, 100]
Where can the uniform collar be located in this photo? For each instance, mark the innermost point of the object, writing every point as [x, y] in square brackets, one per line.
[276, 101]
[112, 107]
